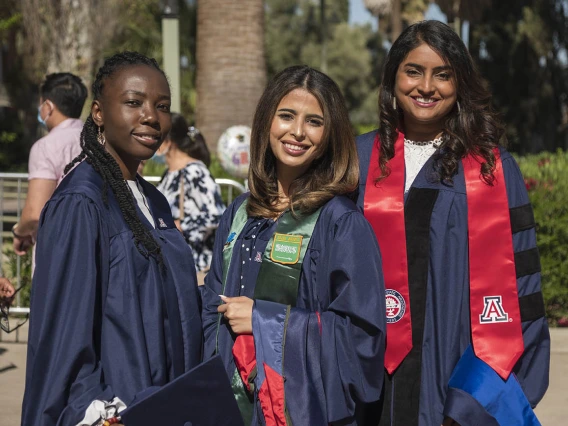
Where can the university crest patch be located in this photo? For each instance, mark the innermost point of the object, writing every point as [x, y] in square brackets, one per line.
[396, 306]
[493, 310]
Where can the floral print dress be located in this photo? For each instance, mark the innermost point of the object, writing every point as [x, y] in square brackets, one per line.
[202, 208]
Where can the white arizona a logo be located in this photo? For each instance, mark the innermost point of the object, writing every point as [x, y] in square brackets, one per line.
[493, 310]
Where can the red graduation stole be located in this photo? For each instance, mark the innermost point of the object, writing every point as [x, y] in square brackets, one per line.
[494, 307]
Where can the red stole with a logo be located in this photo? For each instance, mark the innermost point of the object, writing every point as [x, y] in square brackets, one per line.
[494, 307]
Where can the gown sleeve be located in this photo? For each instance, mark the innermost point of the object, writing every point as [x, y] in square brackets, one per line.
[64, 374]
[532, 369]
[332, 358]
[214, 284]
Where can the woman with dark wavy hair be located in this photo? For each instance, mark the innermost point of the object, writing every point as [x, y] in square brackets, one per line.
[295, 289]
[447, 202]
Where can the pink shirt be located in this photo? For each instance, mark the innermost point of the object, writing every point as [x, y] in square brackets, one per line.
[50, 154]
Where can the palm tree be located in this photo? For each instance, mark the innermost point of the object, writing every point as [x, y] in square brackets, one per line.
[382, 9]
[231, 68]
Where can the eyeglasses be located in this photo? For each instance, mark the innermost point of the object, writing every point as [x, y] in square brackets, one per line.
[5, 310]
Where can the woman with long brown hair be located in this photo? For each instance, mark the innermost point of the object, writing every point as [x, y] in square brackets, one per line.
[447, 202]
[295, 288]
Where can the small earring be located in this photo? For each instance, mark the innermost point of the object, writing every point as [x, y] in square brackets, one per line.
[101, 138]
[459, 108]
[393, 102]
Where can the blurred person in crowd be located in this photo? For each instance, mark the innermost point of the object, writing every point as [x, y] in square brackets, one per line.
[467, 339]
[62, 96]
[191, 191]
[114, 303]
[294, 302]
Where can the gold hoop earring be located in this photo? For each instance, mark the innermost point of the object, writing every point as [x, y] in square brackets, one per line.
[101, 138]
[394, 102]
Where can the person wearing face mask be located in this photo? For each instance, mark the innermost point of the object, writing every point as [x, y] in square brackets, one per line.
[191, 191]
[62, 96]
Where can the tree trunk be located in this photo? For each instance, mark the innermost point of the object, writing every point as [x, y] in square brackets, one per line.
[66, 35]
[396, 20]
[231, 68]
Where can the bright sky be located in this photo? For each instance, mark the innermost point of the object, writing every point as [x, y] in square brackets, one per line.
[358, 14]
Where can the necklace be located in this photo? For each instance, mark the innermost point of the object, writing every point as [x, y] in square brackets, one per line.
[435, 142]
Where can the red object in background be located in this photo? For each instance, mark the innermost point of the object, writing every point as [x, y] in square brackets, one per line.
[530, 183]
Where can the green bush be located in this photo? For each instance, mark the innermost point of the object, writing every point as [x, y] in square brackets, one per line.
[546, 178]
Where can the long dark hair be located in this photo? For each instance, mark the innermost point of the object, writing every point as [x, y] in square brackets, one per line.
[471, 127]
[334, 172]
[98, 157]
[192, 143]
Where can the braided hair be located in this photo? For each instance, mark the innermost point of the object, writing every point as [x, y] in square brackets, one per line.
[104, 163]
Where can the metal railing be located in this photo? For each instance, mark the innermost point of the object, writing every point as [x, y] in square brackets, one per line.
[13, 191]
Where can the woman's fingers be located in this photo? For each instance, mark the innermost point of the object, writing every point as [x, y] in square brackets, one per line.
[238, 312]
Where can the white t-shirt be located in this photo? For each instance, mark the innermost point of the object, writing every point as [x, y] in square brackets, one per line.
[141, 200]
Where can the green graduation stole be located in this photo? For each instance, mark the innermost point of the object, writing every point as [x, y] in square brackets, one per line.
[279, 275]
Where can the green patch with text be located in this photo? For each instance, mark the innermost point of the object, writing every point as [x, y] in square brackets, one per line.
[286, 248]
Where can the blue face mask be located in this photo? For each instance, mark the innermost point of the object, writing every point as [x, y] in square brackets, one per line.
[39, 119]
[159, 158]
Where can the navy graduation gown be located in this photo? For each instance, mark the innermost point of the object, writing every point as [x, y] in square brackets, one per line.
[437, 243]
[105, 321]
[330, 364]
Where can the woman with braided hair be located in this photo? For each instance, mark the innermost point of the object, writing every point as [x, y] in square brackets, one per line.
[114, 302]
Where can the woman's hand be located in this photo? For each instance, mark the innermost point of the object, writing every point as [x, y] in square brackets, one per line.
[450, 422]
[238, 311]
[6, 290]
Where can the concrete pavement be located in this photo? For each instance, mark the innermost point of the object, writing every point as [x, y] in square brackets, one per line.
[552, 411]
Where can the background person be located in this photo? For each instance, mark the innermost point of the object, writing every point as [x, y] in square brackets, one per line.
[114, 303]
[297, 267]
[191, 191]
[62, 96]
[450, 210]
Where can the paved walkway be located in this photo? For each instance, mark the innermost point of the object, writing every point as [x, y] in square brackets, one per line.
[552, 411]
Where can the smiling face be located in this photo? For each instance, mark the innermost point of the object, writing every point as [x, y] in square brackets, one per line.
[134, 112]
[425, 90]
[296, 133]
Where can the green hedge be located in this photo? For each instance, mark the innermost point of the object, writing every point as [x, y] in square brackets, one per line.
[546, 178]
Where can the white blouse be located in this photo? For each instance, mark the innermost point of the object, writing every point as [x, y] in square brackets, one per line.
[415, 156]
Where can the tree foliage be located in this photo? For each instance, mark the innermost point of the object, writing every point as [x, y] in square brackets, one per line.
[294, 36]
[520, 46]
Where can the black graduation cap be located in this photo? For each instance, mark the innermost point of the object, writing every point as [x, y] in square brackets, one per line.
[200, 397]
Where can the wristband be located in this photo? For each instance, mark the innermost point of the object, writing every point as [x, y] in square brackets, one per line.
[21, 237]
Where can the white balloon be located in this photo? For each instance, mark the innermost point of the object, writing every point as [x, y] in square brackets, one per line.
[233, 150]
